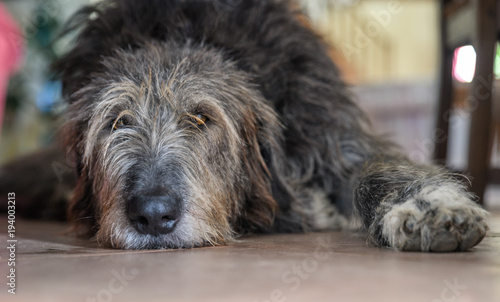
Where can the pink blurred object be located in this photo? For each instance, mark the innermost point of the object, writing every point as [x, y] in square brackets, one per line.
[10, 53]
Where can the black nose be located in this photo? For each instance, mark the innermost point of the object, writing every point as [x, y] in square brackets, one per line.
[154, 214]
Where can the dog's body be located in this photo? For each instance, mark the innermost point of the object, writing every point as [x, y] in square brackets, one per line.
[193, 121]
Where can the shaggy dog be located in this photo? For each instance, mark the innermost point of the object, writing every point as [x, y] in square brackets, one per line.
[191, 122]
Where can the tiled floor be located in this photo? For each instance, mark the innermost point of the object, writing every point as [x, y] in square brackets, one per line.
[51, 266]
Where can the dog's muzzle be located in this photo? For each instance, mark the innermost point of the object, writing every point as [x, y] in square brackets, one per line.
[154, 215]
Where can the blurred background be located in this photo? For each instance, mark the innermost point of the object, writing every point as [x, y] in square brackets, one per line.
[390, 53]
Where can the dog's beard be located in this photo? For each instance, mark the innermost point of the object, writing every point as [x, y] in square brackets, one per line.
[193, 230]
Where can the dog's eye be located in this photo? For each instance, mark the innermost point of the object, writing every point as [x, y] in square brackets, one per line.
[118, 124]
[200, 119]
[121, 122]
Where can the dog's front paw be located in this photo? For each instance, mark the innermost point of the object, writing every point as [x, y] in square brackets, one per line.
[437, 219]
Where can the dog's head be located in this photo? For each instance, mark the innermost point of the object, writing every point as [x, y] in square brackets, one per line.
[173, 149]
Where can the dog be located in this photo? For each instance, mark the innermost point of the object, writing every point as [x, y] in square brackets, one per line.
[192, 122]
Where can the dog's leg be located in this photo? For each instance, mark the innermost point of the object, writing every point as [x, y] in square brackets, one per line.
[417, 208]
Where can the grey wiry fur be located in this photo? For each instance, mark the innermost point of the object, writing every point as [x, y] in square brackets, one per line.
[241, 118]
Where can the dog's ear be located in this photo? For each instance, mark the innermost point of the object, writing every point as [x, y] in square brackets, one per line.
[261, 159]
[260, 206]
[81, 210]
